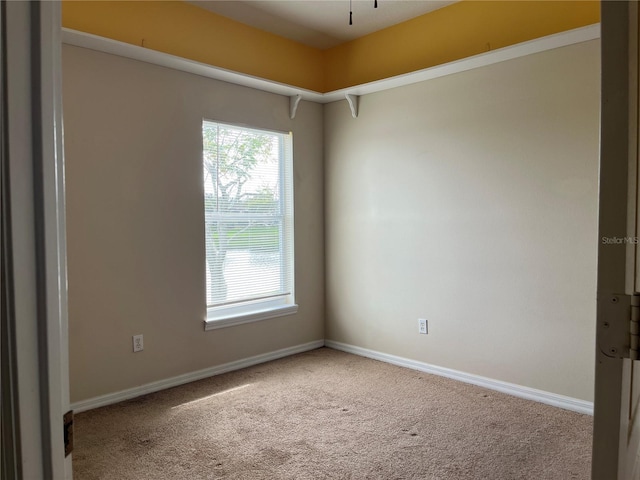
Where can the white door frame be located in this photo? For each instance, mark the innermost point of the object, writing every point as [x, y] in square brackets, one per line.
[34, 245]
[616, 424]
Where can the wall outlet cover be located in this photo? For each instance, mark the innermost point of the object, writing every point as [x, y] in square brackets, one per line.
[423, 326]
[138, 343]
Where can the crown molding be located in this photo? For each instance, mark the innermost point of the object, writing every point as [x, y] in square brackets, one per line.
[114, 47]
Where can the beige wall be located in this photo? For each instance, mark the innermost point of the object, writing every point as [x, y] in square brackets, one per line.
[471, 200]
[135, 221]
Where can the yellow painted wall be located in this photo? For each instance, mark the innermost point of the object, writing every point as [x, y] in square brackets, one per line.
[451, 33]
[461, 30]
[194, 33]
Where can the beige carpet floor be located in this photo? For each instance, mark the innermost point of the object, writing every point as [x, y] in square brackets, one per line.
[326, 414]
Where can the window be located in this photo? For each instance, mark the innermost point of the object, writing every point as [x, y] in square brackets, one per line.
[248, 207]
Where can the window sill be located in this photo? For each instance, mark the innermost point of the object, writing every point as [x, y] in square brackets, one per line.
[229, 321]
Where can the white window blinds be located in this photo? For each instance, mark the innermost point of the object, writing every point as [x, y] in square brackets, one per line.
[248, 215]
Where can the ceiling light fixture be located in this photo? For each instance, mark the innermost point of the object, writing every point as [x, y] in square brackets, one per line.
[375, 5]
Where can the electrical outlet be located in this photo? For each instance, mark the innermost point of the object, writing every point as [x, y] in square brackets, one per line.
[138, 343]
[423, 326]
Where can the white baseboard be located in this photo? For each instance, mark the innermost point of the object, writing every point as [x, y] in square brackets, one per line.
[561, 401]
[130, 393]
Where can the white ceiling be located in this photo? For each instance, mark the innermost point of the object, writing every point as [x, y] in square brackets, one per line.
[320, 23]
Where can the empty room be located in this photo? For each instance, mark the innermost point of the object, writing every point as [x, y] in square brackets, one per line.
[341, 239]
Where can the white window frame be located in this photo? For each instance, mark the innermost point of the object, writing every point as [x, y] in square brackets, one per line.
[257, 310]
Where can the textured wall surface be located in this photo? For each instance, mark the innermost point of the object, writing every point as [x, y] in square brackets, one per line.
[135, 221]
[471, 200]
